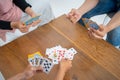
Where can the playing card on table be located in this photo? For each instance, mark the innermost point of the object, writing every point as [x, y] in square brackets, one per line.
[47, 65]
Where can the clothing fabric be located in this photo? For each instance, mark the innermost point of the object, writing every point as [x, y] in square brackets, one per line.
[105, 7]
[11, 10]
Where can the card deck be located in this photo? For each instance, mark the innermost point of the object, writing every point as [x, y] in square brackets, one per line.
[32, 20]
[89, 23]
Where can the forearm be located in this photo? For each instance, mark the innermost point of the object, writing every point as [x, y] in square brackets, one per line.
[20, 76]
[30, 12]
[87, 5]
[114, 22]
[60, 75]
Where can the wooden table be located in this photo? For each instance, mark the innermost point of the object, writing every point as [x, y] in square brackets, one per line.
[96, 59]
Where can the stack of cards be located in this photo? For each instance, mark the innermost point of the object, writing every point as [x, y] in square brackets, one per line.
[37, 59]
[89, 23]
[57, 53]
[32, 20]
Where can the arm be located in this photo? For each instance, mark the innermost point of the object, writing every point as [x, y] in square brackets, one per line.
[76, 14]
[20, 76]
[25, 7]
[28, 73]
[114, 22]
[100, 33]
[87, 5]
[64, 66]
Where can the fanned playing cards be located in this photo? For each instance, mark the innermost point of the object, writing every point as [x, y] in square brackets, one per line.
[55, 55]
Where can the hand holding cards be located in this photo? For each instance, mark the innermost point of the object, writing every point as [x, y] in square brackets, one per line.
[89, 23]
[37, 59]
[56, 54]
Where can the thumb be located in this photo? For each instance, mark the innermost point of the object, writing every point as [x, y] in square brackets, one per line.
[101, 27]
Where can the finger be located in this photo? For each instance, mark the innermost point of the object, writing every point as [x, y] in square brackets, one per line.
[73, 19]
[96, 36]
[101, 28]
[97, 32]
[90, 34]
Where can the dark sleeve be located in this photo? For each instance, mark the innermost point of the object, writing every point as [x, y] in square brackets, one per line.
[22, 4]
[5, 25]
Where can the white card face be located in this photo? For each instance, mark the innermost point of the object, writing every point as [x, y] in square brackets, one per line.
[57, 53]
[1, 76]
[73, 50]
[47, 65]
[55, 61]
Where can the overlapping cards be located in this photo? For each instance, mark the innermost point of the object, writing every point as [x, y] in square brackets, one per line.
[37, 59]
[89, 23]
[32, 20]
[55, 55]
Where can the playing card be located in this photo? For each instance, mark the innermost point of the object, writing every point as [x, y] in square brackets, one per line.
[55, 61]
[32, 20]
[31, 59]
[57, 53]
[72, 50]
[47, 65]
[41, 59]
[89, 23]
[35, 58]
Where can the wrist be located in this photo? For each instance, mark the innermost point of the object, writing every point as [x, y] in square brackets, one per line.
[80, 12]
[62, 70]
[13, 24]
[30, 12]
[107, 29]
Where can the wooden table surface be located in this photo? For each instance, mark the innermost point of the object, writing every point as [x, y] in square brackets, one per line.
[96, 59]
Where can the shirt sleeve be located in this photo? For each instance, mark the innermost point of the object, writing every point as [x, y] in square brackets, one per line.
[22, 4]
[5, 25]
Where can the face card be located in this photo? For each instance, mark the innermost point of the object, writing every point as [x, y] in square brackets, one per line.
[47, 65]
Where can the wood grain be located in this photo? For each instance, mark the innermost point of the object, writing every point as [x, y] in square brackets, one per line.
[96, 59]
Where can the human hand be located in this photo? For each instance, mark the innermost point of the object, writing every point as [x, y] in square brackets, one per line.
[21, 26]
[31, 71]
[98, 34]
[65, 65]
[74, 15]
[34, 23]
